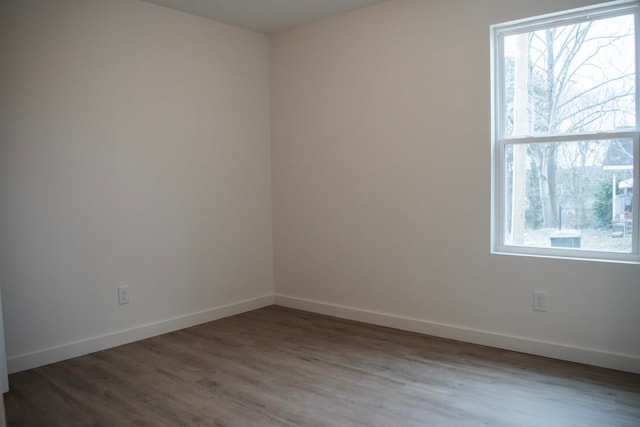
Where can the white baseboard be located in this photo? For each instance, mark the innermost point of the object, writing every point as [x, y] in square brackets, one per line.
[622, 362]
[66, 351]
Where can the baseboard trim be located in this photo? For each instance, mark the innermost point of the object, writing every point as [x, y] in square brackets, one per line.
[66, 351]
[622, 362]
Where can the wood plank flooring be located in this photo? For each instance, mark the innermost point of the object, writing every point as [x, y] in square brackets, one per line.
[282, 367]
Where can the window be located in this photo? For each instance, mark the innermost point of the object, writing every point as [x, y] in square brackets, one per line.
[565, 134]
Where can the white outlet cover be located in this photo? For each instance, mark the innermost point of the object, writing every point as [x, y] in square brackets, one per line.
[123, 295]
[540, 301]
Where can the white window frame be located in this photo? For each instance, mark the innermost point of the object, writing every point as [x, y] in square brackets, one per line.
[500, 141]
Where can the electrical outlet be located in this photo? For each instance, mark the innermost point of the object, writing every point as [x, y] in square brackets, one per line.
[539, 300]
[123, 295]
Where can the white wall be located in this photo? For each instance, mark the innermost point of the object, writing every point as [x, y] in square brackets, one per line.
[381, 187]
[134, 151]
[4, 380]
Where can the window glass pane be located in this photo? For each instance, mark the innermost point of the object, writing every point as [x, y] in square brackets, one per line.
[570, 79]
[570, 195]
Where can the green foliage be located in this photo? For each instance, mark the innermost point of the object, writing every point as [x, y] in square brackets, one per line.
[603, 206]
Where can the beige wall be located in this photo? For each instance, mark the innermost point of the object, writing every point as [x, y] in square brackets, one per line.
[134, 151]
[381, 187]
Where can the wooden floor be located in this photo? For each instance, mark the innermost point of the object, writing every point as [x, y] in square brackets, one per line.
[281, 367]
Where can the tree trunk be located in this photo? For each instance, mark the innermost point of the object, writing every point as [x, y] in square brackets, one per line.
[544, 155]
[547, 162]
[521, 127]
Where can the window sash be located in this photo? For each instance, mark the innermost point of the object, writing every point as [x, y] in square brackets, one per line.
[589, 13]
[500, 210]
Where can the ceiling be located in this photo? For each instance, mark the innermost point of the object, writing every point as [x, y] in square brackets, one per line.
[264, 16]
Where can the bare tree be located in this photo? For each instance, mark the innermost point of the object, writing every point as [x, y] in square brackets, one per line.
[575, 85]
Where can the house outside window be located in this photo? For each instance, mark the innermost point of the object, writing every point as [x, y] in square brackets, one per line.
[565, 134]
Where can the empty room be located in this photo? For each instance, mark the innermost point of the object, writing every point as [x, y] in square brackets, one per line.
[319, 213]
